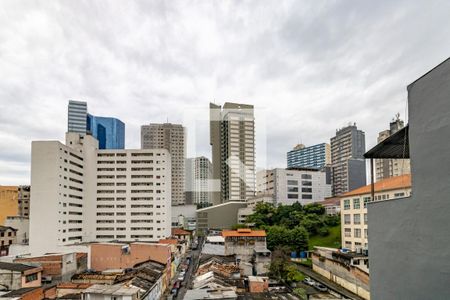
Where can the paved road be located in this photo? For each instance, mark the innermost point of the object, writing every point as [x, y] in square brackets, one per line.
[328, 283]
[189, 274]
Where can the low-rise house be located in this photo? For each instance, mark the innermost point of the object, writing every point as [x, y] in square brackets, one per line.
[243, 242]
[58, 267]
[258, 284]
[111, 292]
[348, 269]
[14, 276]
[7, 238]
[22, 224]
[199, 294]
[182, 235]
[332, 205]
[28, 293]
[70, 289]
[261, 260]
[214, 245]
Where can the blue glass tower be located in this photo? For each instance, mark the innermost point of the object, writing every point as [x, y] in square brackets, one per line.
[110, 132]
[316, 156]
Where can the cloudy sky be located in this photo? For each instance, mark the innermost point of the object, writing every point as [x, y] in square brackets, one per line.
[309, 66]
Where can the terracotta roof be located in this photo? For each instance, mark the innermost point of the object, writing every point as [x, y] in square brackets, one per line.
[179, 231]
[168, 241]
[243, 232]
[331, 201]
[71, 285]
[392, 183]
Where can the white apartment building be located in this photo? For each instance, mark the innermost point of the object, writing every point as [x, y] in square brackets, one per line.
[288, 186]
[198, 180]
[83, 194]
[354, 208]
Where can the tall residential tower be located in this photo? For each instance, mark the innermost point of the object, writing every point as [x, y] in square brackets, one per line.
[172, 138]
[347, 160]
[198, 181]
[232, 137]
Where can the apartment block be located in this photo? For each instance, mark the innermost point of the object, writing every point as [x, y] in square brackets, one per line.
[348, 166]
[77, 117]
[291, 185]
[354, 216]
[315, 156]
[9, 199]
[198, 181]
[172, 138]
[389, 167]
[232, 137]
[84, 194]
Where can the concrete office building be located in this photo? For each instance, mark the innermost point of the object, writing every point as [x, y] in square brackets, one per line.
[83, 194]
[315, 156]
[410, 237]
[291, 185]
[77, 117]
[221, 216]
[198, 181]
[354, 229]
[172, 138]
[347, 161]
[232, 137]
[385, 168]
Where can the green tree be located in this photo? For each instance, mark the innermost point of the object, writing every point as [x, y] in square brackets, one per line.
[314, 208]
[301, 293]
[279, 264]
[298, 238]
[263, 215]
[277, 236]
[293, 274]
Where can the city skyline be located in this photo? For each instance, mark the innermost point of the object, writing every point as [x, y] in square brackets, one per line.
[323, 89]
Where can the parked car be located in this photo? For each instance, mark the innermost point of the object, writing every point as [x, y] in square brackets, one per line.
[309, 281]
[320, 287]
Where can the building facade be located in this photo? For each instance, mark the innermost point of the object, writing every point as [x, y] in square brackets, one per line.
[110, 132]
[385, 168]
[348, 166]
[288, 186]
[354, 218]
[77, 117]
[232, 137]
[8, 236]
[83, 194]
[24, 200]
[172, 138]
[9, 206]
[315, 156]
[198, 181]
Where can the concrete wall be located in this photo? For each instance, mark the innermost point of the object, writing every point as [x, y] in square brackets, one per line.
[222, 216]
[409, 240]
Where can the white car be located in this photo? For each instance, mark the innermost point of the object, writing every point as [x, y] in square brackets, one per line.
[309, 281]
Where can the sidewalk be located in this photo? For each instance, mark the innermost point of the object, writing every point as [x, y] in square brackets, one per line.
[328, 283]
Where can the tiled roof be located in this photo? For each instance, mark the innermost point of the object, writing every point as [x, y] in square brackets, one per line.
[392, 183]
[179, 231]
[331, 201]
[168, 241]
[4, 228]
[243, 232]
[15, 267]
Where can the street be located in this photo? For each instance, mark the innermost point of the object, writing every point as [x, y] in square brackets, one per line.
[189, 273]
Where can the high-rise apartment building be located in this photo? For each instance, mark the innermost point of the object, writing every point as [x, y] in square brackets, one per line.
[315, 156]
[198, 181]
[232, 137]
[287, 186]
[110, 132]
[77, 117]
[171, 137]
[83, 194]
[385, 168]
[347, 160]
[24, 201]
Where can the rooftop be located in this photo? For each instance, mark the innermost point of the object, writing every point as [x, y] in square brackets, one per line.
[19, 292]
[168, 241]
[5, 228]
[243, 232]
[392, 183]
[330, 201]
[179, 231]
[395, 146]
[114, 290]
[16, 267]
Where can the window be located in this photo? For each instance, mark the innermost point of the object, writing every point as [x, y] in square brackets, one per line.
[356, 204]
[292, 196]
[347, 219]
[31, 277]
[356, 219]
[365, 218]
[306, 196]
[366, 200]
[292, 182]
[307, 190]
[398, 195]
[306, 176]
[307, 183]
[365, 233]
[347, 232]
[346, 204]
[292, 189]
[357, 233]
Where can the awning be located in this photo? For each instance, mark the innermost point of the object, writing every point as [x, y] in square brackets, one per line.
[395, 146]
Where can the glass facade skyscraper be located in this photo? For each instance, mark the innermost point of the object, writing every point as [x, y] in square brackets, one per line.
[110, 132]
[316, 156]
